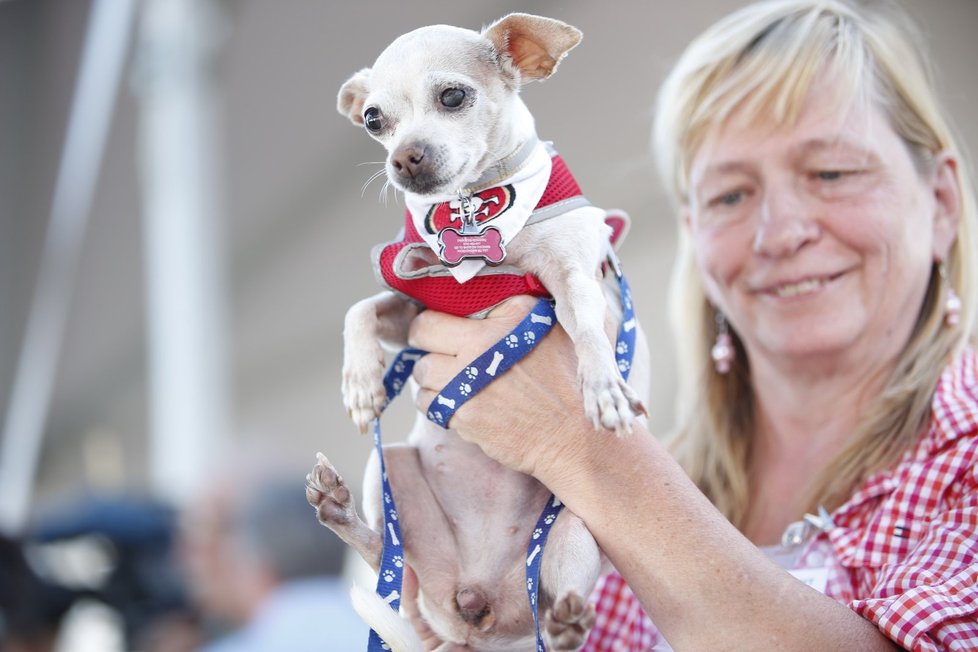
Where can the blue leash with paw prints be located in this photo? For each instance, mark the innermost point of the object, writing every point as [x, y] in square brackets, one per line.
[475, 376]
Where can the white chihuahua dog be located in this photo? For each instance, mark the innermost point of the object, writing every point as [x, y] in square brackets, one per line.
[483, 203]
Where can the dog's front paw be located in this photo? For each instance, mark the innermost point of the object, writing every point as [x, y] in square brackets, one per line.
[363, 386]
[568, 623]
[609, 402]
[328, 493]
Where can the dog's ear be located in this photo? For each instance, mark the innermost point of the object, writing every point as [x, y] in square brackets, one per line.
[532, 45]
[352, 95]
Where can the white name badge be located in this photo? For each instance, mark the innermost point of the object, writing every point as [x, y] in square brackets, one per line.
[817, 578]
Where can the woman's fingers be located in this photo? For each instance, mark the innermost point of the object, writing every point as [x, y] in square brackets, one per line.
[441, 333]
[438, 332]
[454, 342]
[428, 385]
[432, 373]
[435, 370]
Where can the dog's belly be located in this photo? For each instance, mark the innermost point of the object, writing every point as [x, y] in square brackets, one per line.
[466, 522]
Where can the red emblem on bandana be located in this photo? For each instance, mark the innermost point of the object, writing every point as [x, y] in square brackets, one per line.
[487, 205]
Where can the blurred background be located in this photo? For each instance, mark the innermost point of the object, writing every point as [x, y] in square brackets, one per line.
[184, 221]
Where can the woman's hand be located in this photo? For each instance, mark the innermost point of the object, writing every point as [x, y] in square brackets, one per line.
[524, 416]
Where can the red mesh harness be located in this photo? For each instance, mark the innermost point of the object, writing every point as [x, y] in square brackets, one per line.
[434, 287]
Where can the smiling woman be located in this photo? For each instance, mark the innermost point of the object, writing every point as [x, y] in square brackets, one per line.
[822, 194]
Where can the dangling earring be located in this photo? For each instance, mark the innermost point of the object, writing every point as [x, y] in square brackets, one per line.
[723, 349]
[952, 304]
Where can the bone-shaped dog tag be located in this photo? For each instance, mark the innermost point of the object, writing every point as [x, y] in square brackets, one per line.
[457, 246]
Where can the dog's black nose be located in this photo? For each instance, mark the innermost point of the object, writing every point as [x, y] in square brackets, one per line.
[408, 160]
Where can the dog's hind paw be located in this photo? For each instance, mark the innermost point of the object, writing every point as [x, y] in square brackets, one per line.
[567, 624]
[328, 493]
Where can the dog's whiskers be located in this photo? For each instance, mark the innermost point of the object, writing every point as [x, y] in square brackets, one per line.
[376, 175]
[383, 192]
[383, 195]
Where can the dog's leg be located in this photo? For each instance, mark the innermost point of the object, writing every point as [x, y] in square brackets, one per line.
[381, 319]
[608, 399]
[571, 565]
[328, 493]
[567, 267]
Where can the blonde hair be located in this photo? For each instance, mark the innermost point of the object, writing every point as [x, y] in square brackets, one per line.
[762, 61]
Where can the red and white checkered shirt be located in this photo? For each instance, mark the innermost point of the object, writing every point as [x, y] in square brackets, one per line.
[620, 624]
[903, 550]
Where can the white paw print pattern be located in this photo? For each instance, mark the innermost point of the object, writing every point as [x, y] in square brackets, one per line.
[393, 514]
[471, 373]
[529, 584]
[464, 389]
[387, 498]
[396, 385]
[623, 366]
[537, 532]
[529, 337]
[550, 518]
[398, 561]
[622, 348]
[399, 366]
[436, 416]
[512, 341]
[389, 575]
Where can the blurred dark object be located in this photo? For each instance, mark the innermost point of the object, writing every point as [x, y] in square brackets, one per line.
[31, 608]
[132, 539]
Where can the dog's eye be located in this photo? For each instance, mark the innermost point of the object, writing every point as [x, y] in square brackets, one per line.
[372, 120]
[453, 98]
